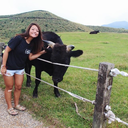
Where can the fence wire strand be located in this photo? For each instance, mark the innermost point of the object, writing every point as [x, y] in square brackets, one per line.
[68, 65]
[72, 94]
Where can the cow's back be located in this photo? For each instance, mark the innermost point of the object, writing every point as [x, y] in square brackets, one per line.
[51, 36]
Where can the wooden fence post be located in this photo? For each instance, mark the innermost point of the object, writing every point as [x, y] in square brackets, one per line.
[103, 93]
[1, 49]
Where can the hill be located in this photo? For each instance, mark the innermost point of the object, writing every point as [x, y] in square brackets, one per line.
[118, 24]
[13, 24]
[108, 29]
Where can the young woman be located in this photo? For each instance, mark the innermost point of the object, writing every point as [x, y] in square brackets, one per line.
[22, 46]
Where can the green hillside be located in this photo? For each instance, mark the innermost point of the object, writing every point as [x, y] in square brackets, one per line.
[108, 29]
[13, 24]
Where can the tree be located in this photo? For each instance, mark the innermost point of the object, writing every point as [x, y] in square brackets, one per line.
[22, 30]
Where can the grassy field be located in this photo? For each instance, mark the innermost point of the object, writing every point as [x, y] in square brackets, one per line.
[61, 112]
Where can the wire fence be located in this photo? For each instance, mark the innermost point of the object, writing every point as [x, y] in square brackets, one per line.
[114, 72]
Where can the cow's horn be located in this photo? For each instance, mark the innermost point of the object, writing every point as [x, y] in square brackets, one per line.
[50, 43]
[70, 47]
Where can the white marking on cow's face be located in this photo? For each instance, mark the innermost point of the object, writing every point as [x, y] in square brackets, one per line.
[70, 47]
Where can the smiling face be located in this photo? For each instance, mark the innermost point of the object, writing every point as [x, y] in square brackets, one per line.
[34, 31]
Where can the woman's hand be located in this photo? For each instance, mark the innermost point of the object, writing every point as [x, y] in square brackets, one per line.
[3, 69]
[5, 57]
[48, 49]
[42, 52]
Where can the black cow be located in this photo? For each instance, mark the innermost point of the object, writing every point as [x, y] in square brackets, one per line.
[60, 53]
[94, 32]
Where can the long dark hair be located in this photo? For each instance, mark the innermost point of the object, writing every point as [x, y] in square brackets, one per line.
[37, 42]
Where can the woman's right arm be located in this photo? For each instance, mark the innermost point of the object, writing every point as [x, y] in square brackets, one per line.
[5, 57]
[34, 56]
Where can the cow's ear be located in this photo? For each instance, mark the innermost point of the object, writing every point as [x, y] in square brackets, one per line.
[76, 53]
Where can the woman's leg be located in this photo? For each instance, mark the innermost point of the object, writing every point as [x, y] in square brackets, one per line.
[18, 84]
[8, 80]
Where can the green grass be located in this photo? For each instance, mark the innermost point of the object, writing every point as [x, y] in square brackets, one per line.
[60, 112]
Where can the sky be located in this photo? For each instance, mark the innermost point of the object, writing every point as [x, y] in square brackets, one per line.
[86, 12]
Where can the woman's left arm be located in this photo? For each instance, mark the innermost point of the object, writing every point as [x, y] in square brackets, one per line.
[34, 56]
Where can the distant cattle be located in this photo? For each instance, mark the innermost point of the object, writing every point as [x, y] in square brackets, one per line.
[59, 53]
[94, 32]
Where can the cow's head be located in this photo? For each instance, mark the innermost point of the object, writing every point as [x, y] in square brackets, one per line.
[61, 54]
